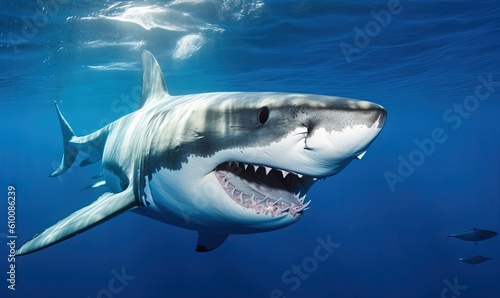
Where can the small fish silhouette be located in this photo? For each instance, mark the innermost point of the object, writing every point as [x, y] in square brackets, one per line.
[475, 260]
[474, 235]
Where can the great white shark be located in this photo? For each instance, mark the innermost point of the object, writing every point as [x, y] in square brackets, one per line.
[216, 163]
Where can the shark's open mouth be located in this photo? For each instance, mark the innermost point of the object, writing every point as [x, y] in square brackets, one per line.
[266, 190]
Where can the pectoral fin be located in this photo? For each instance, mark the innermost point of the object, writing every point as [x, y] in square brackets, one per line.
[107, 206]
[209, 241]
[97, 184]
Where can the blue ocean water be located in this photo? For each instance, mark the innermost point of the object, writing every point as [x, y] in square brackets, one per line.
[434, 169]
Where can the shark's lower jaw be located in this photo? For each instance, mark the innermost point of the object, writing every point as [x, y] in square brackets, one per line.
[263, 189]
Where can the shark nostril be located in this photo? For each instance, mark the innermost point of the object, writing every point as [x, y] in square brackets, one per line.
[309, 125]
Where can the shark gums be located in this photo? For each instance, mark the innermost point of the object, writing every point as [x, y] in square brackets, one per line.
[216, 163]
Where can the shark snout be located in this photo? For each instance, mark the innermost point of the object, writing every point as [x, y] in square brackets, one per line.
[338, 114]
[359, 115]
[336, 136]
[367, 114]
[380, 113]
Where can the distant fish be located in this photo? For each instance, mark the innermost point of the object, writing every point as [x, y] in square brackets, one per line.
[475, 260]
[474, 235]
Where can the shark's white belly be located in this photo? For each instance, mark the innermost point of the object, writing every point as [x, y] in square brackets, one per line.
[206, 209]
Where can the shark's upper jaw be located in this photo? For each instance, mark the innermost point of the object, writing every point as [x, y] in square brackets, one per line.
[264, 190]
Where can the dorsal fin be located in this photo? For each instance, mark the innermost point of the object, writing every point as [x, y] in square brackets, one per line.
[153, 84]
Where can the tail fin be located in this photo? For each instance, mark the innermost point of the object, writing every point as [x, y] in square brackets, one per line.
[70, 152]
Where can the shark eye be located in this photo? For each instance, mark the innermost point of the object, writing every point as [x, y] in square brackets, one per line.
[263, 115]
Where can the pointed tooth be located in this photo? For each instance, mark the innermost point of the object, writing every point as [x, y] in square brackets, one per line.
[297, 195]
[232, 192]
[227, 184]
[279, 200]
[255, 168]
[301, 200]
[284, 173]
[314, 179]
[299, 209]
[245, 165]
[264, 201]
[230, 163]
[307, 204]
[241, 196]
[300, 175]
[268, 169]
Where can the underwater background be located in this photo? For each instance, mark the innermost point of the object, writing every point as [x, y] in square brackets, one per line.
[434, 169]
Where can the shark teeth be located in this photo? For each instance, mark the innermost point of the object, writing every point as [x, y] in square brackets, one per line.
[302, 199]
[256, 198]
[306, 204]
[267, 170]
